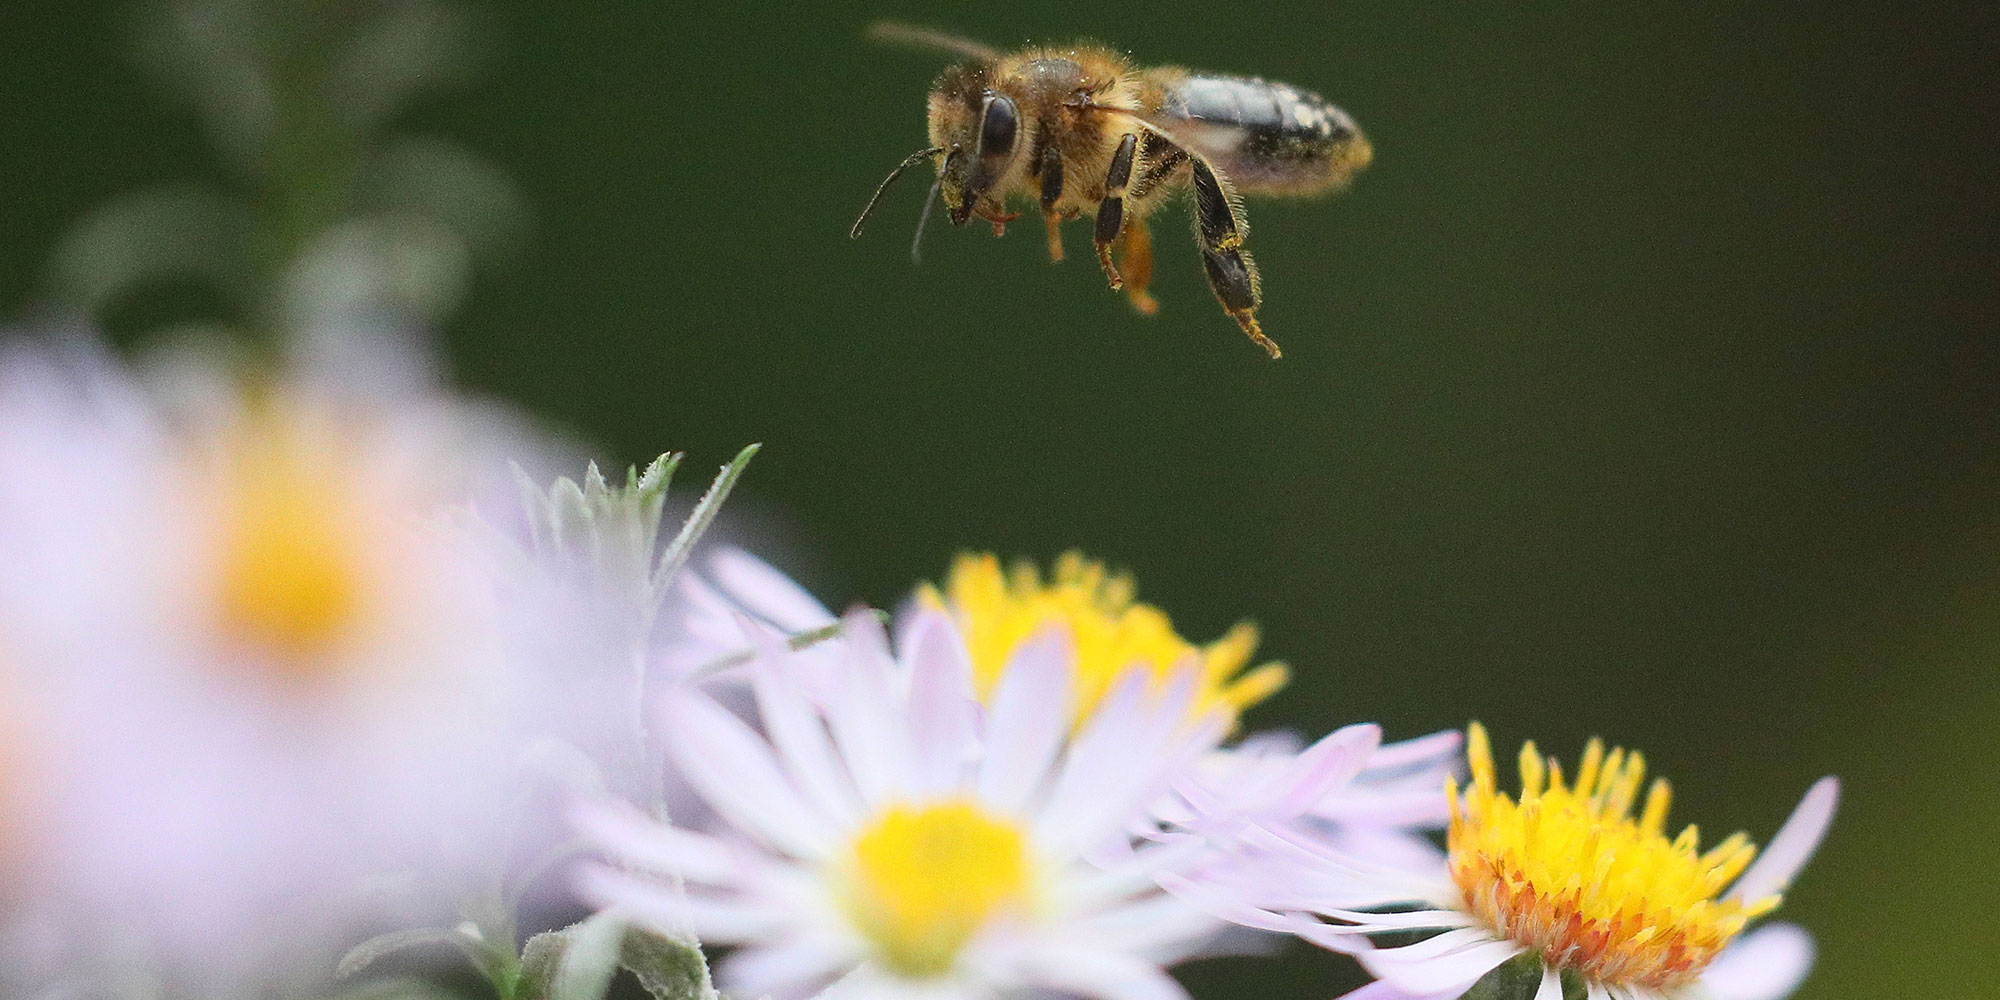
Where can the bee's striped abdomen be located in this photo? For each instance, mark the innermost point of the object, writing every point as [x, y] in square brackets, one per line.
[1269, 138]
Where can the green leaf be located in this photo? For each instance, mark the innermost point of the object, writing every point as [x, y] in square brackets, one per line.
[653, 482]
[668, 969]
[541, 957]
[1519, 978]
[589, 959]
[676, 554]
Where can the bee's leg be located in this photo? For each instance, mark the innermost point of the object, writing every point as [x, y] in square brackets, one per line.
[1137, 259]
[1219, 228]
[1052, 189]
[1111, 211]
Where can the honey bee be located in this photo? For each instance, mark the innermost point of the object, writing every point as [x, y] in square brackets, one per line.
[1079, 129]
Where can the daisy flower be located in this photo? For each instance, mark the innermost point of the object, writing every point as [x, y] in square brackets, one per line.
[1561, 889]
[898, 837]
[253, 662]
[998, 609]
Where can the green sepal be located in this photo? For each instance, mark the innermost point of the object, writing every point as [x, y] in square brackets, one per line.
[1519, 978]
[668, 969]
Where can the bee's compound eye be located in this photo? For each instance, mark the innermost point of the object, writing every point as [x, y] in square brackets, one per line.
[997, 127]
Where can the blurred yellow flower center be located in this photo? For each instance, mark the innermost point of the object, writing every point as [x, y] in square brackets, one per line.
[290, 567]
[1569, 872]
[925, 879]
[999, 610]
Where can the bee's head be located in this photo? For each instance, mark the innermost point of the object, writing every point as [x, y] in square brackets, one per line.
[980, 132]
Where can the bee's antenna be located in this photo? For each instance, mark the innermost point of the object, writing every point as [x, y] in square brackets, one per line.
[929, 38]
[910, 161]
[917, 241]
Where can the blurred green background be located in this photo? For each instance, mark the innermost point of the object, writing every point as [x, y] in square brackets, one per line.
[1647, 385]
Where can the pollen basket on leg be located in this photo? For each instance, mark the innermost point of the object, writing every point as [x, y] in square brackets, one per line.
[1568, 870]
[921, 881]
[999, 608]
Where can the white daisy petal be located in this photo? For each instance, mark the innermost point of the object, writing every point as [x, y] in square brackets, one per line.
[1765, 964]
[1227, 906]
[1551, 988]
[1146, 924]
[1794, 844]
[865, 714]
[1381, 990]
[1593, 991]
[1090, 972]
[636, 839]
[677, 913]
[767, 593]
[1441, 971]
[1027, 721]
[735, 771]
[1432, 948]
[1413, 920]
[795, 968]
[1091, 771]
[943, 714]
[795, 729]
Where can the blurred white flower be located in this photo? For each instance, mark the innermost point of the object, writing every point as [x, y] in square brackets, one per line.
[253, 661]
[895, 837]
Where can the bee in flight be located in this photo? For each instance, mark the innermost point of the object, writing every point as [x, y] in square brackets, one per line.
[1078, 129]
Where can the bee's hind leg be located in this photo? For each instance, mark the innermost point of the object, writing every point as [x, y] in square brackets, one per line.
[1219, 229]
[1137, 265]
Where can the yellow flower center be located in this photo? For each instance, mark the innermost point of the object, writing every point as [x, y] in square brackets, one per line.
[1568, 871]
[923, 880]
[999, 610]
[290, 573]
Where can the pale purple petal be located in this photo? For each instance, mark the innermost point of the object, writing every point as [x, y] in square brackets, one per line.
[1793, 845]
[1765, 964]
[1323, 769]
[1424, 752]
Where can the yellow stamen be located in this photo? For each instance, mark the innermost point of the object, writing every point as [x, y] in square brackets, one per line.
[289, 574]
[1567, 871]
[923, 880]
[999, 610]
